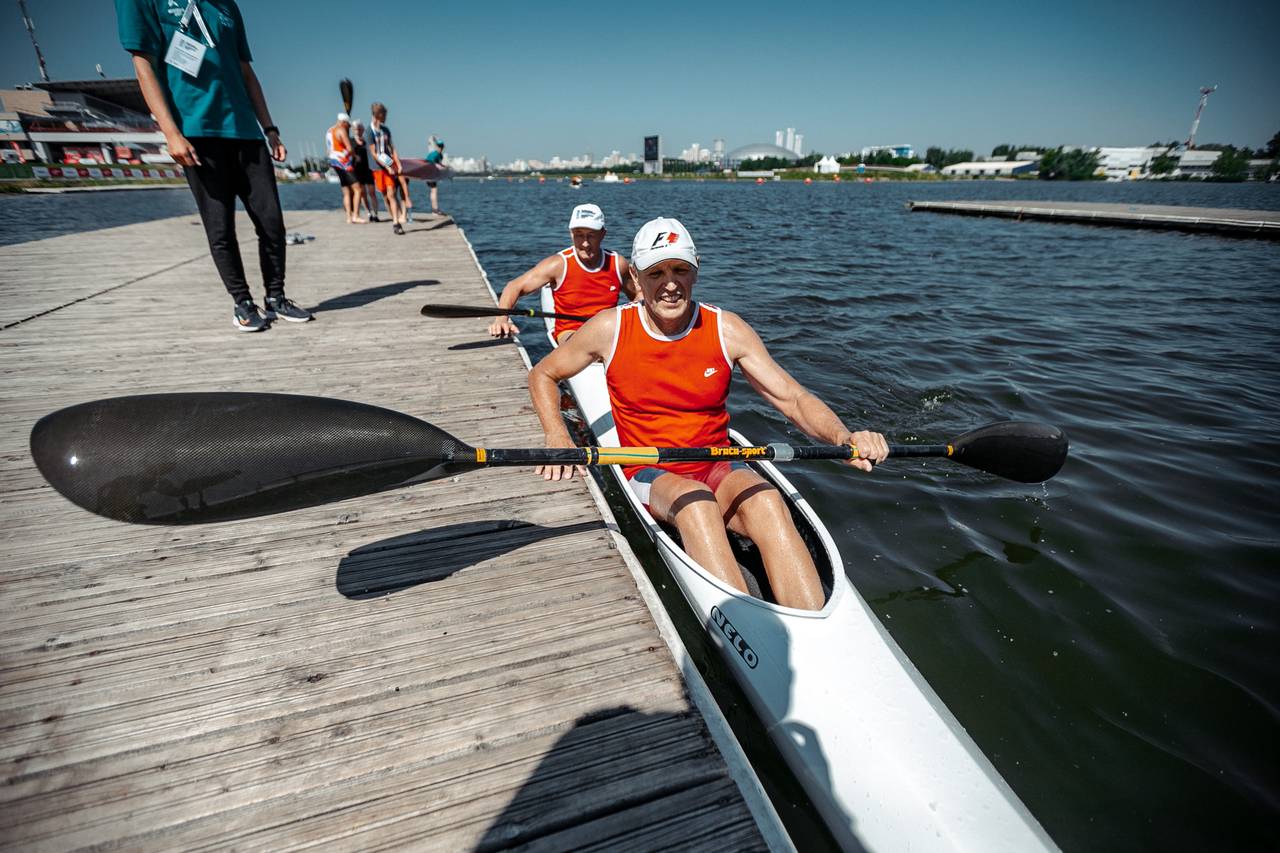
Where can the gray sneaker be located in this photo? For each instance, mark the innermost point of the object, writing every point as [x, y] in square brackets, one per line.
[246, 317]
[286, 309]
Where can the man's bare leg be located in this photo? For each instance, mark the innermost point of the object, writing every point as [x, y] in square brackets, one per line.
[753, 508]
[389, 196]
[346, 203]
[692, 508]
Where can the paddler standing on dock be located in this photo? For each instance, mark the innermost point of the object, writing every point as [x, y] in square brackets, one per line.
[584, 279]
[209, 104]
[342, 158]
[668, 361]
[385, 163]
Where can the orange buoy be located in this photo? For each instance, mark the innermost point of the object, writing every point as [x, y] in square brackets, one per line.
[808, 180]
[836, 179]
[759, 180]
[866, 180]
[542, 180]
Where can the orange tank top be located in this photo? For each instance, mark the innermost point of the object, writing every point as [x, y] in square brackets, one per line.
[669, 391]
[585, 292]
[339, 151]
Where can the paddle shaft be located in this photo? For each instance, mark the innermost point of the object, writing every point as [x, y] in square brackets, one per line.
[655, 455]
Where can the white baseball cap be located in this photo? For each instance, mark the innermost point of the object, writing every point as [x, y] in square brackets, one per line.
[344, 117]
[662, 239]
[587, 216]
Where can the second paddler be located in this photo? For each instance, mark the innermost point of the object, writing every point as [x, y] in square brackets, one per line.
[584, 278]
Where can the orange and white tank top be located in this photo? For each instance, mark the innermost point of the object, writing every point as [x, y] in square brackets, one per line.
[669, 391]
[339, 152]
[585, 292]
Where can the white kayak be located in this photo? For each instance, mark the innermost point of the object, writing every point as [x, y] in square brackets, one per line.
[882, 758]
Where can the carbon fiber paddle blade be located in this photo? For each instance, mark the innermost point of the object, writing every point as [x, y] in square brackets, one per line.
[197, 458]
[1024, 451]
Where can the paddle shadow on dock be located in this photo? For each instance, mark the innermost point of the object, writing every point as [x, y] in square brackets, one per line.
[622, 778]
[401, 562]
[360, 298]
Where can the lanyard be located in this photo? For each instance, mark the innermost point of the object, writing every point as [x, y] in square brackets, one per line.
[194, 10]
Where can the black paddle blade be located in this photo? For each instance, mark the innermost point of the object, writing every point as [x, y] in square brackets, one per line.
[1024, 451]
[348, 96]
[196, 458]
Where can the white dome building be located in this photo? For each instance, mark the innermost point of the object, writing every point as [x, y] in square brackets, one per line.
[757, 150]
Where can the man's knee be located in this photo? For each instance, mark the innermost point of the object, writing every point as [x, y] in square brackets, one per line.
[760, 503]
[681, 495]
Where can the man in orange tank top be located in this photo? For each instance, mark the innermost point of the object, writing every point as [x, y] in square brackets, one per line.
[677, 354]
[584, 279]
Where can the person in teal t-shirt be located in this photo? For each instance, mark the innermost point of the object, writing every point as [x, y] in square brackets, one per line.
[194, 67]
[436, 157]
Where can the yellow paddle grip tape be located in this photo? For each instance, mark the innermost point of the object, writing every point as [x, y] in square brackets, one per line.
[950, 450]
[854, 448]
[626, 455]
[480, 455]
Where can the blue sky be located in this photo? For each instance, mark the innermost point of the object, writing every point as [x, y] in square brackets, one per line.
[534, 80]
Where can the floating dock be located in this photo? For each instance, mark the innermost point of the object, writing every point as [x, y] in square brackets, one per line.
[1239, 223]
[473, 663]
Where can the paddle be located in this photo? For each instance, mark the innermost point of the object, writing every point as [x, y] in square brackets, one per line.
[452, 312]
[196, 458]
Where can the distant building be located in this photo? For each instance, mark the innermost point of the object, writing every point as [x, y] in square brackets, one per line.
[757, 150]
[926, 168]
[992, 169]
[84, 121]
[897, 150]
[1127, 164]
[1197, 163]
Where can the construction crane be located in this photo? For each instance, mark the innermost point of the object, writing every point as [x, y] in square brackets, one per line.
[31, 31]
[1205, 92]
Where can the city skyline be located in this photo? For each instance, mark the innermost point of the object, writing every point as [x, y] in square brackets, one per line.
[930, 77]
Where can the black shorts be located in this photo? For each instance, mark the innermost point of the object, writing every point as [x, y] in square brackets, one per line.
[347, 179]
[363, 174]
[431, 184]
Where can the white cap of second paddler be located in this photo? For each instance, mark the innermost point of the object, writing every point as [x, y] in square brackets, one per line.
[587, 216]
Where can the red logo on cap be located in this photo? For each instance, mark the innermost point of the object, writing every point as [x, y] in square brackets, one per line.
[672, 237]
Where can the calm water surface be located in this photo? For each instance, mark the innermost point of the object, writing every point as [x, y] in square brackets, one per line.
[1109, 638]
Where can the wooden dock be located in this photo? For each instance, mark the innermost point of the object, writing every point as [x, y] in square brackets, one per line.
[1239, 223]
[469, 664]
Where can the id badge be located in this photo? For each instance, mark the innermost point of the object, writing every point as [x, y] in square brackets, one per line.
[186, 54]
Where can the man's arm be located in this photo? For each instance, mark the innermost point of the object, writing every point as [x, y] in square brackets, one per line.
[628, 285]
[543, 273]
[180, 148]
[586, 346]
[259, 101]
[788, 396]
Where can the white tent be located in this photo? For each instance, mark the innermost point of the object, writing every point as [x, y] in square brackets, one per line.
[827, 166]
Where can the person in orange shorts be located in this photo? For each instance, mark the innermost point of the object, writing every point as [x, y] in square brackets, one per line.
[668, 361]
[385, 163]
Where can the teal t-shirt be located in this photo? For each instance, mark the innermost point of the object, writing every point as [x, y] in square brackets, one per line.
[214, 103]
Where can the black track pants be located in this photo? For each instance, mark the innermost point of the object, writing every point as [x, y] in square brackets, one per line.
[231, 169]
